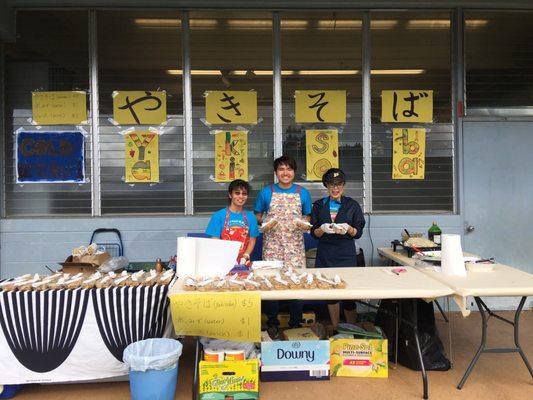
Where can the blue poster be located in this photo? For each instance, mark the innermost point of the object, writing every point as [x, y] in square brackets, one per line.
[50, 157]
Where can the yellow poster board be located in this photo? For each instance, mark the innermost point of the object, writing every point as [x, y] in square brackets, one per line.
[139, 107]
[230, 107]
[408, 153]
[231, 316]
[142, 157]
[407, 106]
[322, 151]
[59, 108]
[231, 155]
[317, 106]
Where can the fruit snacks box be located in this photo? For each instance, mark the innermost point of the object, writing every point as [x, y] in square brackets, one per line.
[365, 358]
[236, 380]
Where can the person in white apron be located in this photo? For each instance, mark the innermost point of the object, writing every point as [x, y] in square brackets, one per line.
[283, 209]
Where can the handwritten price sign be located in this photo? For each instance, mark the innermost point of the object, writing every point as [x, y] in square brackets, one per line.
[231, 316]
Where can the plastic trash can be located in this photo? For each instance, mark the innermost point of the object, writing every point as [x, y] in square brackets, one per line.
[153, 365]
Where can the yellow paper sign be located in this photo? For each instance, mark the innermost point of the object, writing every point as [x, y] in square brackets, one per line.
[408, 153]
[59, 108]
[231, 156]
[320, 106]
[231, 107]
[407, 106]
[139, 108]
[231, 316]
[142, 157]
[322, 150]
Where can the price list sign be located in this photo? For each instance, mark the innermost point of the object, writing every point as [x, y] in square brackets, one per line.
[230, 316]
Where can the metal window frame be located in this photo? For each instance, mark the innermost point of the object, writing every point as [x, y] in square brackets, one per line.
[367, 113]
[187, 115]
[2, 133]
[96, 198]
[277, 88]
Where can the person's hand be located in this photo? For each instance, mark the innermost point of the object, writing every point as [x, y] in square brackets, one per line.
[245, 259]
[347, 228]
[302, 225]
[326, 228]
[267, 226]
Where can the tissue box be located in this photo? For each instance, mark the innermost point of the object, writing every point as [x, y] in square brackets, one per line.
[295, 360]
[229, 379]
[366, 358]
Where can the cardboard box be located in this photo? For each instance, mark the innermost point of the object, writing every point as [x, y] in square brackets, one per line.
[300, 334]
[366, 358]
[229, 380]
[295, 360]
[308, 319]
[71, 267]
[85, 264]
[96, 259]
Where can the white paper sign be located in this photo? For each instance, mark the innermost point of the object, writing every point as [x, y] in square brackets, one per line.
[206, 257]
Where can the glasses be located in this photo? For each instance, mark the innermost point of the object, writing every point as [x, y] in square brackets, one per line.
[335, 185]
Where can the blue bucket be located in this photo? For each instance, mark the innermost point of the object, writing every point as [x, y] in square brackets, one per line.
[153, 365]
[153, 384]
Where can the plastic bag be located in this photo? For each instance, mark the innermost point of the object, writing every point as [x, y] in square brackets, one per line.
[430, 344]
[113, 264]
[159, 354]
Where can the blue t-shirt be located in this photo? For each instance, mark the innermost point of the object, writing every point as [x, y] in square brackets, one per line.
[216, 223]
[262, 204]
[334, 206]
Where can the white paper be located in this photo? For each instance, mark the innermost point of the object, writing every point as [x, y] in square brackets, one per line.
[452, 256]
[206, 257]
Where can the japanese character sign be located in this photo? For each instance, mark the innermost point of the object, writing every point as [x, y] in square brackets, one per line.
[231, 156]
[142, 157]
[407, 106]
[408, 153]
[59, 108]
[231, 107]
[322, 152]
[139, 108]
[320, 106]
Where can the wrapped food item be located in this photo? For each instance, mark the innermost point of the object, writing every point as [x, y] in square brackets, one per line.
[235, 285]
[221, 285]
[189, 284]
[166, 277]
[105, 282]
[309, 282]
[205, 285]
[79, 251]
[41, 285]
[266, 284]
[121, 281]
[91, 282]
[251, 284]
[323, 282]
[151, 279]
[294, 282]
[279, 283]
[74, 283]
[339, 283]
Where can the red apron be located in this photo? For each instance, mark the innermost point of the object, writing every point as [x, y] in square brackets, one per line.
[236, 233]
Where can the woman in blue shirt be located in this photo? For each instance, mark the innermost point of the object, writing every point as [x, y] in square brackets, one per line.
[234, 222]
[337, 220]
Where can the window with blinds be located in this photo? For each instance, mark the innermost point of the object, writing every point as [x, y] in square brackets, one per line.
[230, 51]
[140, 51]
[412, 50]
[50, 54]
[322, 51]
[498, 63]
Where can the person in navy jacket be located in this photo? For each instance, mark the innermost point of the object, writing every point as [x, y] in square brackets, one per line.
[337, 220]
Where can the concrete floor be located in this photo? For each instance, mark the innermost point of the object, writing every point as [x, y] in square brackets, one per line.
[495, 377]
